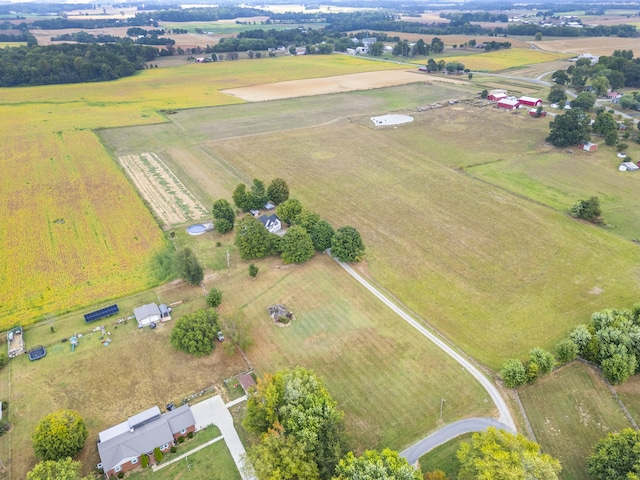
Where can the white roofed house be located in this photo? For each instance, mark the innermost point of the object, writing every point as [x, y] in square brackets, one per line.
[271, 222]
[121, 447]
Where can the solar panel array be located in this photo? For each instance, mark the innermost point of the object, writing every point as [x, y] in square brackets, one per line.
[103, 312]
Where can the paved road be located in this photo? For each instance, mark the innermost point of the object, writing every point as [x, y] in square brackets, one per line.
[453, 430]
[505, 415]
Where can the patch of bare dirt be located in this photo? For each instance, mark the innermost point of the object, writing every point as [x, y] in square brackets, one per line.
[335, 84]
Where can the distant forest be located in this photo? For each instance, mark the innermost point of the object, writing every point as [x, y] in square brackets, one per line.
[67, 63]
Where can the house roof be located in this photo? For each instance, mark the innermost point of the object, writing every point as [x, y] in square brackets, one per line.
[530, 99]
[509, 101]
[144, 311]
[246, 381]
[269, 221]
[125, 441]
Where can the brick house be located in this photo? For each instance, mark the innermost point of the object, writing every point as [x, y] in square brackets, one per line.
[121, 447]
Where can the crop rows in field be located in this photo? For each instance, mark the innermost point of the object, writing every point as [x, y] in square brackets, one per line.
[169, 198]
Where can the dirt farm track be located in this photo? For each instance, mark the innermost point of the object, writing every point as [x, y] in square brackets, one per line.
[336, 84]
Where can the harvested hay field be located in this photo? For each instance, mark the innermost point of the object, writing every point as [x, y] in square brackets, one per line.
[323, 86]
[172, 202]
[593, 45]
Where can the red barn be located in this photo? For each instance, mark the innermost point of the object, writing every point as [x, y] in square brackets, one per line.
[508, 103]
[533, 113]
[496, 96]
[530, 101]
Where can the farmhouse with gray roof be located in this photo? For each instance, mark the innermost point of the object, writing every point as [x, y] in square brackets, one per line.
[271, 222]
[122, 446]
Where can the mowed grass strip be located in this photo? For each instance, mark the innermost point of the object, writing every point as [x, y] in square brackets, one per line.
[495, 273]
[570, 410]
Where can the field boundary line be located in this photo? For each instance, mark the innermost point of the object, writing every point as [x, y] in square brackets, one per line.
[505, 416]
[527, 423]
[155, 468]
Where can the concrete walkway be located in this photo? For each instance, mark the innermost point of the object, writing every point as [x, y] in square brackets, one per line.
[157, 467]
[505, 414]
[213, 411]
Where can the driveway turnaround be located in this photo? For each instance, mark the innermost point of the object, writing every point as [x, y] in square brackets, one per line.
[451, 431]
[213, 411]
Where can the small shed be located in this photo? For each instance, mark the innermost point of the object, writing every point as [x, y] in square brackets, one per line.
[247, 381]
[510, 103]
[628, 167]
[589, 147]
[530, 101]
[151, 313]
[269, 206]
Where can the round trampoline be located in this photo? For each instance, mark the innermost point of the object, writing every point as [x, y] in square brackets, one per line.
[197, 229]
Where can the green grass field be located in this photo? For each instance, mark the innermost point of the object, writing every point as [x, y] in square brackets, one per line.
[570, 410]
[557, 179]
[444, 457]
[496, 273]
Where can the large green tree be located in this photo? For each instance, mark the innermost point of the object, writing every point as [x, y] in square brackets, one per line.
[374, 465]
[224, 215]
[585, 101]
[252, 239]
[63, 469]
[282, 457]
[241, 197]
[498, 454]
[289, 210]
[321, 235]
[278, 191]
[557, 95]
[604, 123]
[59, 435]
[616, 456]
[194, 333]
[570, 129]
[298, 403]
[258, 195]
[347, 245]
[307, 219]
[586, 209]
[296, 245]
[514, 373]
[189, 266]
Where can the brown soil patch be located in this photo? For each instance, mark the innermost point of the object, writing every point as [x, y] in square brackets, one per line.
[336, 84]
[172, 202]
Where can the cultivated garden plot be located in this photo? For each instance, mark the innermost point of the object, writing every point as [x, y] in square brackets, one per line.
[172, 202]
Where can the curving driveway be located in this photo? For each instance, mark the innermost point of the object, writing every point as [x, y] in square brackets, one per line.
[505, 420]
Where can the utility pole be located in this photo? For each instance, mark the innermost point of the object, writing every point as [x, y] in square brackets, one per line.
[441, 404]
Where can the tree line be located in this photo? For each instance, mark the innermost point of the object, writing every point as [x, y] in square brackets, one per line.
[71, 63]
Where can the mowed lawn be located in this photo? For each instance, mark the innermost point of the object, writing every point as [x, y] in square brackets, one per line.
[570, 410]
[494, 272]
[386, 377]
[75, 232]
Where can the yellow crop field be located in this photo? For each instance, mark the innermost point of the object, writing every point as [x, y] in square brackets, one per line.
[74, 230]
[504, 59]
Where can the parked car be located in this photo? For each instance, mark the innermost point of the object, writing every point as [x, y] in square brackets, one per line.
[220, 336]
